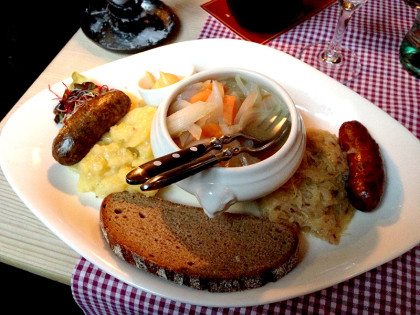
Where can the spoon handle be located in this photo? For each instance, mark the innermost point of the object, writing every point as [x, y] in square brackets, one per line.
[164, 163]
[191, 168]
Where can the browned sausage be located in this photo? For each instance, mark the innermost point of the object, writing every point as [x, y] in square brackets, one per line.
[366, 171]
[87, 125]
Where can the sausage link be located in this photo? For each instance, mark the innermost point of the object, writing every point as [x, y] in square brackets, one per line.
[366, 171]
[87, 125]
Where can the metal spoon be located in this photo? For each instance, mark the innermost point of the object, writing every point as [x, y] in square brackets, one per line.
[281, 129]
[146, 171]
[257, 129]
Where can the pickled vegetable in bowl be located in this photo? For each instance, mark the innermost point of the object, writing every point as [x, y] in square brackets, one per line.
[165, 79]
[157, 81]
[214, 108]
[217, 188]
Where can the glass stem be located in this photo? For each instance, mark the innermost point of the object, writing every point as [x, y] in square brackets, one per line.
[333, 52]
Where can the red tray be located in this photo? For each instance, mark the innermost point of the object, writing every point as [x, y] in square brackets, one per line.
[219, 9]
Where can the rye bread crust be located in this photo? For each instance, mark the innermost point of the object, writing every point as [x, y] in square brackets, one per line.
[179, 243]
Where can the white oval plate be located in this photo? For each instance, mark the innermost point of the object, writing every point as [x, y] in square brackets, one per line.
[49, 189]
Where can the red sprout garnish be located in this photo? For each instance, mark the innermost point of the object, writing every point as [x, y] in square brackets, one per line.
[73, 99]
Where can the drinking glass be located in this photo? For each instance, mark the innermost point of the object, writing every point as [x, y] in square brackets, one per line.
[410, 46]
[331, 58]
[262, 16]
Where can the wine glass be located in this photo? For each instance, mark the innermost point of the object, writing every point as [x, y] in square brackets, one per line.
[331, 58]
[410, 46]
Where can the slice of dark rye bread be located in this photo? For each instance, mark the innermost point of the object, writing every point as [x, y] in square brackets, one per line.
[182, 244]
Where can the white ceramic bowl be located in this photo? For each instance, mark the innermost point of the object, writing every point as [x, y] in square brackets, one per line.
[154, 97]
[219, 187]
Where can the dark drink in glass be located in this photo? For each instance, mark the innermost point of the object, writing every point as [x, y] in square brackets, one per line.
[264, 16]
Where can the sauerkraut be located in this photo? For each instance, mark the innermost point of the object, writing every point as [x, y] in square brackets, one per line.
[315, 197]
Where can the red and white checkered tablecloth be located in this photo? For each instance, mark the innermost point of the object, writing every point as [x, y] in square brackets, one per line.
[374, 33]
[392, 288]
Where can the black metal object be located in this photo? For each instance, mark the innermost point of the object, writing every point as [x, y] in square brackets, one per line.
[131, 27]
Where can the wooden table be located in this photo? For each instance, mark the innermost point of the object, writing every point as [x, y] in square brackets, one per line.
[24, 241]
